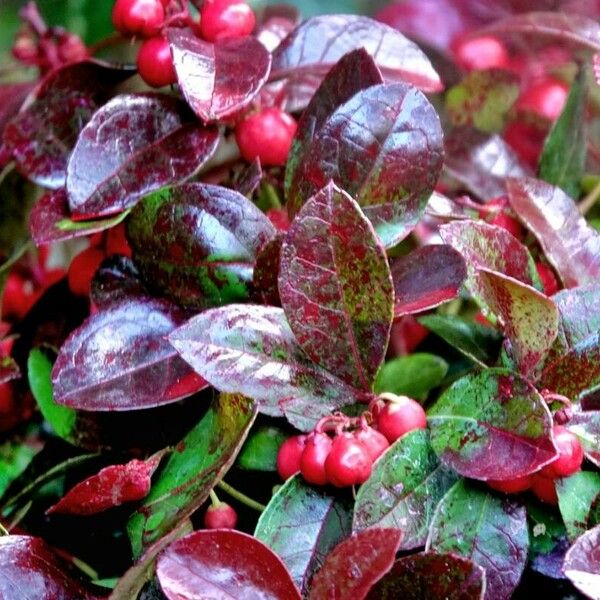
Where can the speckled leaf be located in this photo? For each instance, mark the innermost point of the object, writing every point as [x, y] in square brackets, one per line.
[426, 278]
[487, 529]
[196, 465]
[355, 565]
[223, 563]
[529, 318]
[197, 243]
[579, 311]
[251, 350]
[132, 146]
[586, 425]
[582, 563]
[482, 99]
[492, 425]
[302, 525]
[431, 575]
[403, 490]
[569, 243]
[120, 359]
[265, 286]
[12, 96]
[576, 496]
[42, 136]
[219, 79]
[383, 147]
[442, 207]
[336, 288]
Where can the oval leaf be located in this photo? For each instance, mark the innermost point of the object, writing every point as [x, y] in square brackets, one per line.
[586, 426]
[265, 287]
[577, 495]
[582, 563]
[579, 310]
[492, 425]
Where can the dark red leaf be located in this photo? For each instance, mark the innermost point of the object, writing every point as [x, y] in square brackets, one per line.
[582, 563]
[431, 575]
[356, 564]
[120, 359]
[277, 22]
[116, 279]
[223, 563]
[220, 79]
[249, 179]
[41, 136]
[112, 486]
[569, 243]
[12, 96]
[426, 278]
[197, 243]
[336, 288]
[30, 569]
[266, 271]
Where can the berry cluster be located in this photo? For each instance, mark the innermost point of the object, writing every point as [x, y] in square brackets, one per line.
[346, 457]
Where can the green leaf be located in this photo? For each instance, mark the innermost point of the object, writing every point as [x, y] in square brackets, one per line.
[562, 162]
[404, 489]
[94, 225]
[259, 453]
[15, 456]
[415, 375]
[197, 464]
[577, 495]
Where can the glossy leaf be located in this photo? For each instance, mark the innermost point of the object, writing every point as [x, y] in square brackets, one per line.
[198, 243]
[252, 351]
[302, 524]
[218, 80]
[569, 243]
[134, 145]
[116, 279]
[431, 575]
[196, 465]
[579, 310]
[487, 529]
[356, 564]
[42, 136]
[576, 496]
[336, 288]
[582, 564]
[426, 278]
[265, 286]
[223, 563]
[259, 453]
[492, 425]
[119, 359]
[403, 490]
[586, 426]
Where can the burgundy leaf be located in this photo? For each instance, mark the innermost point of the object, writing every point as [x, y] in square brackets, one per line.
[356, 564]
[529, 318]
[585, 424]
[197, 243]
[120, 359]
[431, 575]
[249, 179]
[570, 244]
[579, 310]
[442, 207]
[12, 96]
[132, 146]
[116, 279]
[318, 43]
[30, 569]
[251, 350]
[336, 288]
[112, 486]
[42, 135]
[426, 278]
[223, 563]
[582, 563]
[266, 270]
[220, 79]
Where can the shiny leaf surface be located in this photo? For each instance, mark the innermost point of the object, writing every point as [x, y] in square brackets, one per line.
[582, 564]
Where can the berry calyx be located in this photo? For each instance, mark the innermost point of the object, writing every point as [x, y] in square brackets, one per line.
[225, 19]
[268, 135]
[289, 456]
[155, 64]
[400, 416]
[374, 441]
[547, 277]
[314, 455]
[138, 17]
[82, 269]
[570, 454]
[348, 463]
[546, 98]
[544, 489]
[220, 516]
[511, 486]
[480, 53]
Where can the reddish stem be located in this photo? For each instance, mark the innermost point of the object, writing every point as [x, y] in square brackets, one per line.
[31, 15]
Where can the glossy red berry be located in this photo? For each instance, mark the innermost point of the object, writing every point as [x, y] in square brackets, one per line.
[138, 17]
[547, 277]
[399, 417]
[225, 19]
[349, 462]
[221, 516]
[544, 489]
[289, 455]
[116, 241]
[314, 455]
[155, 64]
[509, 223]
[374, 441]
[480, 53]
[527, 140]
[267, 135]
[82, 269]
[511, 486]
[16, 296]
[546, 98]
[570, 454]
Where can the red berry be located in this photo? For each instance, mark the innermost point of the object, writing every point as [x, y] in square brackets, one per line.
[549, 282]
[16, 296]
[349, 462]
[480, 53]
[314, 455]
[375, 443]
[399, 417]
[138, 17]
[527, 140]
[225, 19]
[289, 455]
[116, 241]
[221, 516]
[7, 404]
[155, 64]
[570, 454]
[82, 269]
[511, 486]
[267, 135]
[509, 223]
[544, 489]
[545, 98]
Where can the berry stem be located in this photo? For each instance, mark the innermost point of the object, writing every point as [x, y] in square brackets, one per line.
[588, 202]
[240, 497]
[214, 499]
